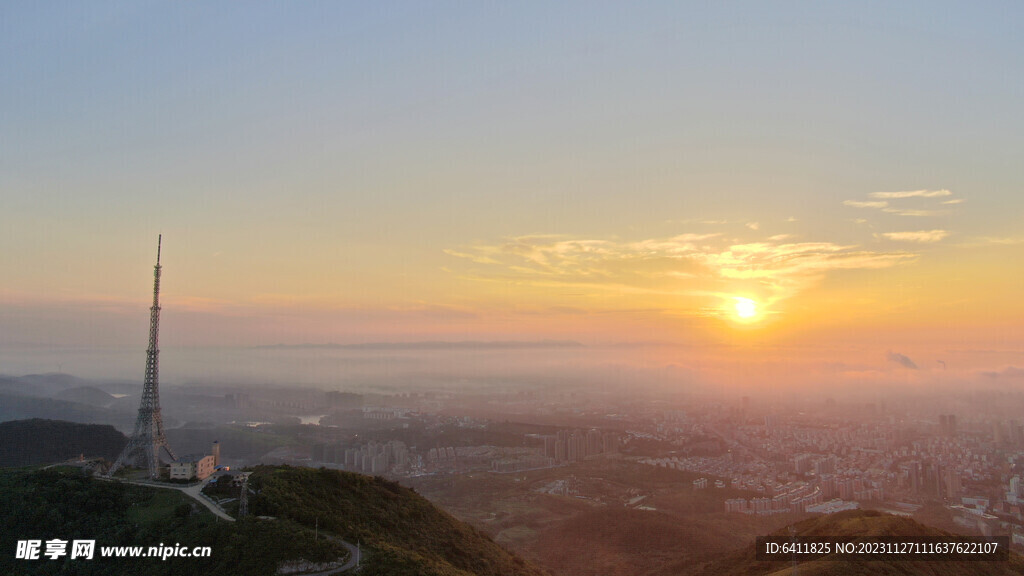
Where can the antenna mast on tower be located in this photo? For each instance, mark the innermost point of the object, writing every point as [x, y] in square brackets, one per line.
[144, 446]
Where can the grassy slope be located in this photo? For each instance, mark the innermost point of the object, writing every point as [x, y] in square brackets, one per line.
[62, 504]
[404, 532]
[401, 532]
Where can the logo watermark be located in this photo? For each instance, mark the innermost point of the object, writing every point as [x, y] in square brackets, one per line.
[86, 550]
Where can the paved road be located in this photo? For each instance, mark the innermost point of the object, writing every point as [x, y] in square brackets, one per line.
[193, 491]
[353, 559]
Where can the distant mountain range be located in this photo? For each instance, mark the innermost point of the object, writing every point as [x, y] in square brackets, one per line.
[39, 384]
[64, 397]
[16, 407]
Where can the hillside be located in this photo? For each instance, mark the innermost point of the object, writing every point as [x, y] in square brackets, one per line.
[39, 384]
[617, 540]
[588, 532]
[403, 532]
[38, 441]
[19, 407]
[855, 526]
[64, 504]
[86, 395]
[399, 532]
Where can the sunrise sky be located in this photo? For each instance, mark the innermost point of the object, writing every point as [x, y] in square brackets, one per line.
[793, 190]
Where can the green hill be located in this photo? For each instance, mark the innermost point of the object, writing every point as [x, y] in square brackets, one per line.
[38, 441]
[856, 526]
[63, 504]
[399, 531]
[403, 532]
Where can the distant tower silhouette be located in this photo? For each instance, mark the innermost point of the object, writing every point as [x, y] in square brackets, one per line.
[143, 447]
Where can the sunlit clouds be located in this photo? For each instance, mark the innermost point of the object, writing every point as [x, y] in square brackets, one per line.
[898, 203]
[921, 236]
[691, 267]
[703, 273]
[865, 204]
[912, 194]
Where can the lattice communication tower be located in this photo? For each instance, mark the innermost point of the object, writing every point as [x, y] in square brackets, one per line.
[143, 449]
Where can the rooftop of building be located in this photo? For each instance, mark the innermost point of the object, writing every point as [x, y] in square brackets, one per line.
[191, 458]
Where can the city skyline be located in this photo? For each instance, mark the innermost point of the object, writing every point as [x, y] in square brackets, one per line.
[772, 194]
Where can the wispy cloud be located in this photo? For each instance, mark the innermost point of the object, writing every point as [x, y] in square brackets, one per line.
[996, 241]
[865, 204]
[474, 257]
[913, 212]
[1008, 372]
[768, 259]
[700, 221]
[921, 236]
[881, 201]
[912, 194]
[902, 360]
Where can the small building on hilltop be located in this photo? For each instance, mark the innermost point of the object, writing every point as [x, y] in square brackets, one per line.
[197, 466]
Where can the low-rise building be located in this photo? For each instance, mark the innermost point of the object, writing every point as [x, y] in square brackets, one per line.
[197, 466]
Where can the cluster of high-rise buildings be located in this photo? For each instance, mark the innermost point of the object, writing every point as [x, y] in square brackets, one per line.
[908, 459]
[850, 487]
[930, 477]
[973, 465]
[446, 454]
[775, 505]
[370, 458]
[802, 496]
[825, 495]
[575, 445]
[816, 463]
[1015, 490]
[793, 501]
[947, 425]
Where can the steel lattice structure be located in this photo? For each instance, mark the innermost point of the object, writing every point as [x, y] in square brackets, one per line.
[144, 446]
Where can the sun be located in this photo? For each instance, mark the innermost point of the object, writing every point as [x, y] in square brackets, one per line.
[745, 308]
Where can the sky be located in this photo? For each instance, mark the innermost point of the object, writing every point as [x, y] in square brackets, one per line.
[618, 174]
